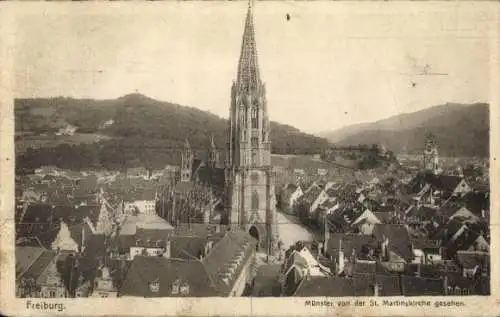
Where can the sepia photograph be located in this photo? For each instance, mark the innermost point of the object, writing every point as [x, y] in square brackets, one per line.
[252, 149]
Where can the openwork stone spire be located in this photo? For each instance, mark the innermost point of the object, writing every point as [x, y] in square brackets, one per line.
[248, 66]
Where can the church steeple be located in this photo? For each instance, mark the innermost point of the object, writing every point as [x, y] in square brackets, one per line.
[248, 140]
[187, 162]
[213, 154]
[248, 67]
[250, 196]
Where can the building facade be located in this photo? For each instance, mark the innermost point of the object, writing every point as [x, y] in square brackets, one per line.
[251, 201]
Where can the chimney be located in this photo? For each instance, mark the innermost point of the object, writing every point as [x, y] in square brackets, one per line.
[376, 289]
[82, 247]
[445, 284]
[341, 264]
[327, 234]
[168, 246]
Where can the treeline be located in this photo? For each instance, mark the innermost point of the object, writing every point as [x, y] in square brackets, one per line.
[121, 153]
[111, 155]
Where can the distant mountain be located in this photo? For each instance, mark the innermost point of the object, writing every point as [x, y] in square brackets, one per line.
[144, 124]
[460, 130]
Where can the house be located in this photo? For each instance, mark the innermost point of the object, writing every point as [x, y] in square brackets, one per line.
[167, 277]
[103, 284]
[464, 214]
[141, 201]
[137, 172]
[365, 222]
[289, 197]
[343, 249]
[300, 265]
[313, 197]
[395, 245]
[67, 130]
[225, 271]
[426, 251]
[473, 263]
[43, 276]
[64, 241]
[230, 263]
[143, 234]
[419, 286]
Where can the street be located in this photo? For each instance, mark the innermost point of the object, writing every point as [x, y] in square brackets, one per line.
[291, 230]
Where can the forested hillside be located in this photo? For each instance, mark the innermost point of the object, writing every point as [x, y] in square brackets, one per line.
[138, 131]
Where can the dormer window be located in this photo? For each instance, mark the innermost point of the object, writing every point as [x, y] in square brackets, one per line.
[184, 289]
[154, 286]
[175, 287]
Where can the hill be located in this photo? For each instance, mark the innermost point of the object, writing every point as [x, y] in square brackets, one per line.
[135, 127]
[460, 130]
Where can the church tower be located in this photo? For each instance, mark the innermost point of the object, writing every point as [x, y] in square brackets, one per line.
[213, 154]
[186, 163]
[250, 181]
[431, 157]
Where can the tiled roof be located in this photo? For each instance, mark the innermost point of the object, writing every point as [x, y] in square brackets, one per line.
[227, 258]
[324, 286]
[25, 257]
[185, 247]
[350, 242]
[40, 264]
[216, 177]
[38, 213]
[416, 286]
[469, 260]
[145, 270]
[199, 229]
[399, 239]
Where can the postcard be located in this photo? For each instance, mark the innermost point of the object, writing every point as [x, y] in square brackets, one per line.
[263, 158]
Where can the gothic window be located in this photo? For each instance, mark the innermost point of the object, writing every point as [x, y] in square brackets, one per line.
[255, 117]
[255, 201]
[254, 157]
[255, 141]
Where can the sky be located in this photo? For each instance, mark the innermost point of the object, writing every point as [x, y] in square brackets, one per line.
[330, 65]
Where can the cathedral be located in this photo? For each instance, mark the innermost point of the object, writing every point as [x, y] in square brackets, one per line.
[246, 180]
[431, 157]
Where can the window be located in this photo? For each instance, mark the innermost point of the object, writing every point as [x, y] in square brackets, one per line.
[255, 117]
[255, 201]
[52, 294]
[255, 141]
[154, 286]
[254, 157]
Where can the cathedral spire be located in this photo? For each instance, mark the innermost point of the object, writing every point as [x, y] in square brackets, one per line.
[212, 142]
[248, 66]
